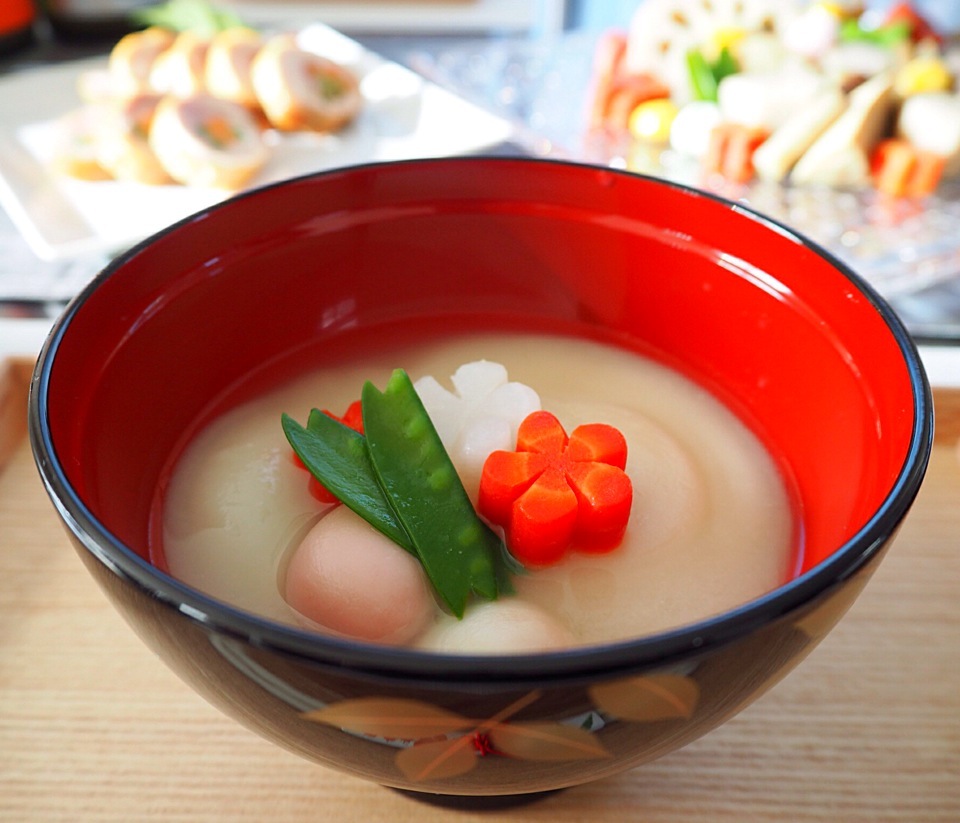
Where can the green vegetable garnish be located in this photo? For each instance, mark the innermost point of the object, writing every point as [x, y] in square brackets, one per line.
[400, 479]
[457, 549]
[702, 81]
[337, 456]
[888, 36]
[330, 87]
[725, 65]
[187, 15]
[705, 76]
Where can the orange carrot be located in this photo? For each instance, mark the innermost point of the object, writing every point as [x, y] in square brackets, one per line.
[607, 61]
[730, 151]
[919, 26]
[926, 174]
[890, 165]
[600, 443]
[352, 417]
[628, 93]
[899, 169]
[615, 91]
[556, 493]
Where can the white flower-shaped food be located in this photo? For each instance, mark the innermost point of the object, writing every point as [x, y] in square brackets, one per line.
[481, 415]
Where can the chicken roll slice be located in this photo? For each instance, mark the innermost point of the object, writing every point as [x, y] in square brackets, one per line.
[300, 90]
[229, 59]
[122, 144]
[180, 69]
[132, 59]
[204, 141]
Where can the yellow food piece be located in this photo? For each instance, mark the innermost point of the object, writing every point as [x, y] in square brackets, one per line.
[724, 37]
[835, 9]
[921, 75]
[652, 119]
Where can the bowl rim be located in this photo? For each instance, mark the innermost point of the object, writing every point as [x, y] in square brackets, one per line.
[648, 652]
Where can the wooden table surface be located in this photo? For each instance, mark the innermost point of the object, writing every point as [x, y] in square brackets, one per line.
[94, 728]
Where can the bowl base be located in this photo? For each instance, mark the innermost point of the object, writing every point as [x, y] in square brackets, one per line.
[477, 803]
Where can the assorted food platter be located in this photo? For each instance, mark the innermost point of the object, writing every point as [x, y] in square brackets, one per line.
[571, 99]
[61, 217]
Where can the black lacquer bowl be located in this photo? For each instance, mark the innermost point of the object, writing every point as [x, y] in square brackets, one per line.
[778, 327]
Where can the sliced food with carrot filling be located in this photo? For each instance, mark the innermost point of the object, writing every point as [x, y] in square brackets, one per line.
[204, 141]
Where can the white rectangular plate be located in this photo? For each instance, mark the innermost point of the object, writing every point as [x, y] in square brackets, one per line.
[404, 117]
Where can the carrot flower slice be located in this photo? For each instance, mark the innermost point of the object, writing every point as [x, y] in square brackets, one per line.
[556, 493]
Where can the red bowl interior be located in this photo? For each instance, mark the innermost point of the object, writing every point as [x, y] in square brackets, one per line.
[787, 337]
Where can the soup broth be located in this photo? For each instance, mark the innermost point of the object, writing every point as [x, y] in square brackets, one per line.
[711, 526]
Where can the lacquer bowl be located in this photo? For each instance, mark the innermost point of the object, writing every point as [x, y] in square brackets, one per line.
[778, 328]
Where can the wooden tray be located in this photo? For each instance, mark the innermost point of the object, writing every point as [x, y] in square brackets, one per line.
[94, 728]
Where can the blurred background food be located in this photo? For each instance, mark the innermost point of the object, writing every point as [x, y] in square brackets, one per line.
[188, 100]
[830, 93]
[837, 94]
[817, 113]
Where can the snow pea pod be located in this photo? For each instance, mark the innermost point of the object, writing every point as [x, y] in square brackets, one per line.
[459, 552]
[337, 456]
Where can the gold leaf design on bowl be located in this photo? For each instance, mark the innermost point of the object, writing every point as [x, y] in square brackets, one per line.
[649, 698]
[436, 743]
[389, 718]
[546, 742]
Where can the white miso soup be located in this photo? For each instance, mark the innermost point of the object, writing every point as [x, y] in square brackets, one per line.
[711, 527]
